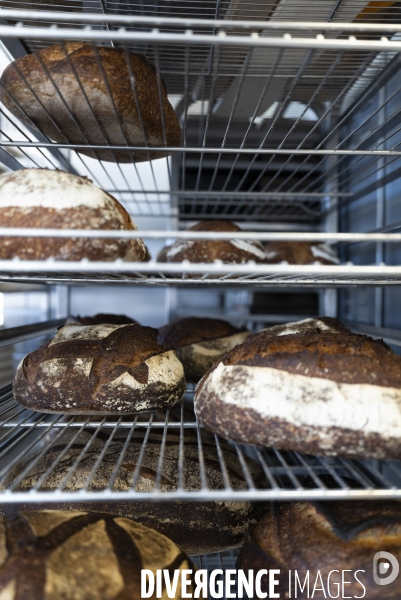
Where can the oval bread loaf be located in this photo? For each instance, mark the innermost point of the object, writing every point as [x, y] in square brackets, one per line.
[105, 369]
[327, 392]
[82, 94]
[199, 342]
[81, 555]
[325, 537]
[192, 525]
[56, 199]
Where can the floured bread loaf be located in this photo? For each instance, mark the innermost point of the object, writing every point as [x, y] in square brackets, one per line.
[56, 199]
[205, 251]
[326, 537]
[320, 392]
[105, 369]
[300, 253]
[192, 525]
[81, 555]
[82, 94]
[199, 342]
[101, 318]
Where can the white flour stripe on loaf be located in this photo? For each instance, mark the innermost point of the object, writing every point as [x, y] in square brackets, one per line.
[310, 401]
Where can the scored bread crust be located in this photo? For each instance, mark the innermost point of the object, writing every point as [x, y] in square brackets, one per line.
[325, 393]
[192, 525]
[300, 253]
[199, 342]
[204, 251]
[56, 199]
[328, 536]
[104, 369]
[83, 95]
[81, 555]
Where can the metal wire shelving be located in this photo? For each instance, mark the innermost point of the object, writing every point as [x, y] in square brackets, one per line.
[285, 475]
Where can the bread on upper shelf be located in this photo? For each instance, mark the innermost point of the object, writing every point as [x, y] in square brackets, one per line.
[85, 94]
[101, 318]
[191, 524]
[80, 555]
[43, 198]
[104, 369]
[199, 342]
[207, 251]
[322, 390]
[300, 253]
[326, 537]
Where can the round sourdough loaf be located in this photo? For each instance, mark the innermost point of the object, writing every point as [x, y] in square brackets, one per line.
[300, 253]
[81, 555]
[326, 537]
[320, 392]
[56, 199]
[105, 369]
[101, 318]
[198, 527]
[199, 342]
[82, 94]
[205, 251]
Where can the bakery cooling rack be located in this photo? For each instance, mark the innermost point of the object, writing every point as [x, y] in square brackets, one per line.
[284, 152]
[286, 475]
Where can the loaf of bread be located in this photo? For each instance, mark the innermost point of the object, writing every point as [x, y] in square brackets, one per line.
[81, 555]
[326, 537]
[198, 527]
[105, 369]
[199, 342]
[300, 253]
[205, 251]
[328, 392]
[82, 94]
[57, 199]
[101, 318]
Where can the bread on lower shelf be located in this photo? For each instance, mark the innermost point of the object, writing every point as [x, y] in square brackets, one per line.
[198, 527]
[81, 555]
[104, 369]
[86, 94]
[198, 342]
[320, 391]
[53, 199]
[326, 537]
[300, 253]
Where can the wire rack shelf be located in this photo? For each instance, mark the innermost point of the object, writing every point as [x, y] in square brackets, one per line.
[30, 438]
[288, 137]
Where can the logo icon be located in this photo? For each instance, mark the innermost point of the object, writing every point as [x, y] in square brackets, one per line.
[381, 568]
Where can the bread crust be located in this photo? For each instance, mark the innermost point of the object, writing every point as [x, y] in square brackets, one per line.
[192, 525]
[204, 251]
[325, 536]
[198, 342]
[330, 393]
[64, 92]
[81, 555]
[300, 253]
[104, 369]
[56, 199]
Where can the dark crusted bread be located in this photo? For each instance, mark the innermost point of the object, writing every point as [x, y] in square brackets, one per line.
[56, 199]
[325, 536]
[101, 318]
[81, 555]
[82, 94]
[105, 369]
[204, 251]
[300, 253]
[192, 525]
[321, 392]
[199, 342]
